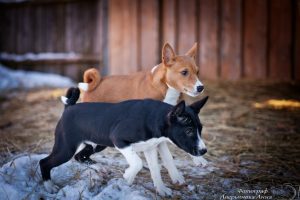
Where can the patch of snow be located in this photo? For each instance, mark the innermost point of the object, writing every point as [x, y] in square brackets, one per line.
[13, 79]
[38, 56]
[12, 1]
[21, 179]
[191, 187]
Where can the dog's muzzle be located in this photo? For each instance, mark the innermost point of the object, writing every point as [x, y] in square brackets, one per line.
[200, 88]
[199, 152]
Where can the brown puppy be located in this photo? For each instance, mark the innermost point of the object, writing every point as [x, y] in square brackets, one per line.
[179, 73]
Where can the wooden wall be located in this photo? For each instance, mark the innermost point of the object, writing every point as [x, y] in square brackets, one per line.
[238, 39]
[53, 26]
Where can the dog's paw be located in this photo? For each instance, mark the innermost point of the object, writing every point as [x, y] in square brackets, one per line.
[128, 176]
[89, 162]
[200, 161]
[164, 191]
[177, 178]
[50, 187]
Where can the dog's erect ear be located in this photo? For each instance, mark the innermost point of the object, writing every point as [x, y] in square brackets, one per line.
[196, 107]
[168, 54]
[177, 110]
[193, 51]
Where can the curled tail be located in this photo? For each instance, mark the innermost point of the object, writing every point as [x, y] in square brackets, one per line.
[91, 78]
[71, 97]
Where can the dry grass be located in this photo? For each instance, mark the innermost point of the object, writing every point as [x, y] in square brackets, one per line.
[251, 143]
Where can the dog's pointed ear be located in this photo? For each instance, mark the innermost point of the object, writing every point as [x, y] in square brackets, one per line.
[177, 111]
[196, 107]
[193, 51]
[168, 54]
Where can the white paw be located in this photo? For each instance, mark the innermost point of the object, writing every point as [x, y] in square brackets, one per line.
[164, 191]
[128, 176]
[200, 161]
[50, 187]
[177, 178]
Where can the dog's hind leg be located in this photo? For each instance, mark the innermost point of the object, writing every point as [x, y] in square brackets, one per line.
[53, 160]
[83, 155]
[60, 154]
[168, 162]
[152, 161]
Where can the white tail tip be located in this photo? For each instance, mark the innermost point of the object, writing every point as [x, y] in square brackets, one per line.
[64, 99]
[83, 86]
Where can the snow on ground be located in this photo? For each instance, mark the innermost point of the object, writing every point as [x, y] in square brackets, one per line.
[13, 79]
[21, 179]
[38, 56]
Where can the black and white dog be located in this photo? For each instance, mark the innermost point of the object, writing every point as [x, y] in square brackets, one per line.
[130, 126]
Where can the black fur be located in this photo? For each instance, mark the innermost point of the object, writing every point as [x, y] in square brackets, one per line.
[72, 95]
[84, 155]
[119, 125]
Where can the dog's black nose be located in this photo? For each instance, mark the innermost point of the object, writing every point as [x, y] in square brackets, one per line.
[202, 151]
[200, 88]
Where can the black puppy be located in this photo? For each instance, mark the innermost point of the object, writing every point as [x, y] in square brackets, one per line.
[130, 126]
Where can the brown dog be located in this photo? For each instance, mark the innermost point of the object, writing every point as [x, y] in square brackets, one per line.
[176, 73]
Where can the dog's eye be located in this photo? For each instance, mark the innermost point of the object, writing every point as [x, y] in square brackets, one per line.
[189, 131]
[185, 72]
[186, 120]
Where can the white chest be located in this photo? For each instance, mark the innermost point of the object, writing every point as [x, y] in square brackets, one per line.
[172, 96]
[149, 144]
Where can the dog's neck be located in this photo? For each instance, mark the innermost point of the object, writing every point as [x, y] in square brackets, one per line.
[171, 95]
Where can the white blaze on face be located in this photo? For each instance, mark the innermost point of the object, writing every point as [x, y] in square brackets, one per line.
[197, 83]
[193, 92]
[201, 144]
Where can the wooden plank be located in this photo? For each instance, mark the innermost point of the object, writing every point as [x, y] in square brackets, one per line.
[280, 40]
[149, 41]
[11, 34]
[19, 31]
[70, 23]
[78, 18]
[41, 29]
[28, 29]
[122, 36]
[255, 39]
[50, 22]
[103, 37]
[74, 27]
[208, 43]
[169, 22]
[3, 25]
[231, 39]
[186, 29]
[297, 42]
[59, 12]
[98, 34]
[88, 25]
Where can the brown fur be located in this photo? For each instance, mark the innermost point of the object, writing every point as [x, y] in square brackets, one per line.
[144, 84]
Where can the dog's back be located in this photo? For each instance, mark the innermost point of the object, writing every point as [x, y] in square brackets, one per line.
[120, 87]
[84, 119]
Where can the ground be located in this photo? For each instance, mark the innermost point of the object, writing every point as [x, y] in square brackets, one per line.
[253, 143]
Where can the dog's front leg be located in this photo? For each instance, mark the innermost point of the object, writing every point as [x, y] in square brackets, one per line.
[168, 162]
[152, 161]
[134, 161]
